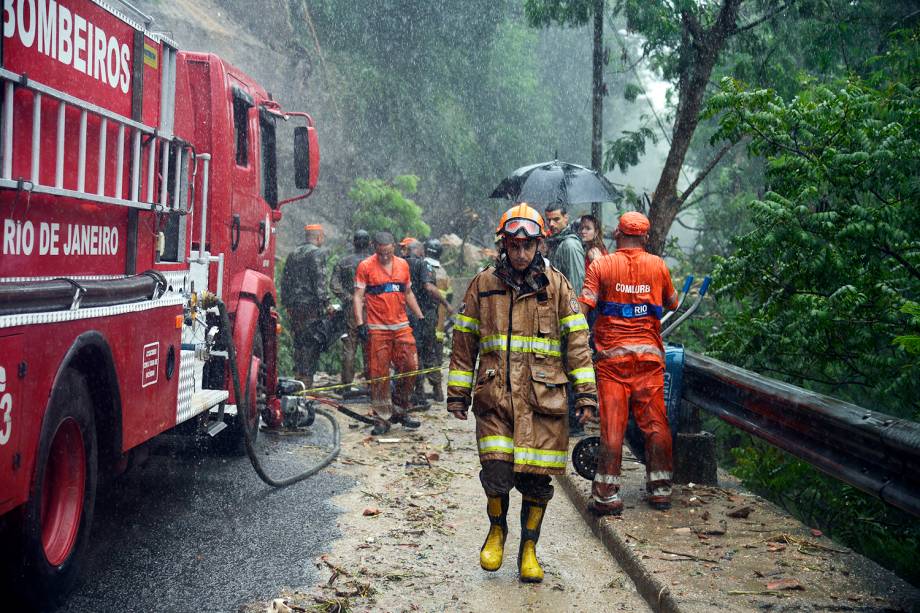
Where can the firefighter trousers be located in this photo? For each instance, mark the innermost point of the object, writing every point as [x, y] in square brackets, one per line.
[627, 384]
[386, 347]
[498, 477]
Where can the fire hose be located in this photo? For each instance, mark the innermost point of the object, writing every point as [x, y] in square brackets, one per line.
[243, 410]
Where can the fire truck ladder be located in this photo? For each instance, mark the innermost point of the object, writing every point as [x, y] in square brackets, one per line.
[144, 140]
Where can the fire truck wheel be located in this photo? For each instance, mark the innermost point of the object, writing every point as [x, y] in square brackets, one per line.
[55, 522]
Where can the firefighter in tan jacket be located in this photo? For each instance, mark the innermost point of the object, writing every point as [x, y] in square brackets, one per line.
[522, 320]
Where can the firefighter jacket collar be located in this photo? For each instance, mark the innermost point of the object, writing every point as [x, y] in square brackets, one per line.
[531, 281]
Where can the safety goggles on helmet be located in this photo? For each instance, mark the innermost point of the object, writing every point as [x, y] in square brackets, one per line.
[519, 227]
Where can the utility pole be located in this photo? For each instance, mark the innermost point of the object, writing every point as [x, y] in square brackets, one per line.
[597, 107]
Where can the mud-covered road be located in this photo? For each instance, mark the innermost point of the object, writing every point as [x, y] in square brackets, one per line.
[412, 526]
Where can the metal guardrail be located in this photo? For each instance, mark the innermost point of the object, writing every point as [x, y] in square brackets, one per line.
[874, 452]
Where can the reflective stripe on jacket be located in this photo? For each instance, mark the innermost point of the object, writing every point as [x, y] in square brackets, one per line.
[528, 345]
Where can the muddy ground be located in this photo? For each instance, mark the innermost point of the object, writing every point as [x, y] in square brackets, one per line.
[725, 548]
[413, 524]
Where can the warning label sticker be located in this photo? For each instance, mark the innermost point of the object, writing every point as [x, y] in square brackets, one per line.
[150, 364]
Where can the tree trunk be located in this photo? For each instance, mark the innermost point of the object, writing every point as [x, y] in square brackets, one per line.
[700, 50]
[597, 108]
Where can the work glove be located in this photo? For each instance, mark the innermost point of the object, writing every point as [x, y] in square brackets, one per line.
[587, 412]
[457, 409]
[363, 332]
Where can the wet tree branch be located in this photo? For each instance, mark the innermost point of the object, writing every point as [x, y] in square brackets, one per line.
[910, 268]
[703, 173]
[763, 18]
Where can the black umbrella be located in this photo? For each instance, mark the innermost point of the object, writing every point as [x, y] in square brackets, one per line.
[556, 183]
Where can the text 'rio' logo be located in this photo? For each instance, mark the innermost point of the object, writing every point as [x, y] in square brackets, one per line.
[6, 410]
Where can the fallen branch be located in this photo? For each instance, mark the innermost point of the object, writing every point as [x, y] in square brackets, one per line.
[335, 568]
[757, 593]
[689, 555]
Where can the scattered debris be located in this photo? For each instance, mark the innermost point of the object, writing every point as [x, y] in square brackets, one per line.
[371, 512]
[785, 584]
[741, 512]
[689, 556]
[331, 605]
[280, 605]
[805, 546]
[708, 531]
[325, 560]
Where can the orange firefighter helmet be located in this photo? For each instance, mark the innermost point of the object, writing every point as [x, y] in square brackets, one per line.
[521, 221]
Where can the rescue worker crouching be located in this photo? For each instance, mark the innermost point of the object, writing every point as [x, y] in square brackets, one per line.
[382, 284]
[522, 320]
[630, 289]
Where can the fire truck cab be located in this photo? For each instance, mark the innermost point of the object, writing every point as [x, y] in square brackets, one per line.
[138, 186]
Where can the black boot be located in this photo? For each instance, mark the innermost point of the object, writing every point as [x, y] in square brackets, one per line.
[406, 421]
[381, 426]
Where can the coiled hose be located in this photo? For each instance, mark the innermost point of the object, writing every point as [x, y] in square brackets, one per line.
[243, 409]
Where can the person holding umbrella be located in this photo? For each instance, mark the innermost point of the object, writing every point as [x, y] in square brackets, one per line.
[566, 253]
[523, 322]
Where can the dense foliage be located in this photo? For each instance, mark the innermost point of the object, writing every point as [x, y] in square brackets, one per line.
[819, 283]
[834, 255]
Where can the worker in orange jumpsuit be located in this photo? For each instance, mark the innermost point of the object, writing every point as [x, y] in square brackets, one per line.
[630, 289]
[382, 285]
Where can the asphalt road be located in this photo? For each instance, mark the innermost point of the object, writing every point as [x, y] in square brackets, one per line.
[194, 530]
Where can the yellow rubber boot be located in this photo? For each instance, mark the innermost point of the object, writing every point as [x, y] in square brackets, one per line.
[532, 511]
[493, 550]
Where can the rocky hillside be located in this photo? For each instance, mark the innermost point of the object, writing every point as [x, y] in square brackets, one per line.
[263, 39]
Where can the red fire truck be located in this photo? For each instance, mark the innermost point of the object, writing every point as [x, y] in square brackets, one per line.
[138, 187]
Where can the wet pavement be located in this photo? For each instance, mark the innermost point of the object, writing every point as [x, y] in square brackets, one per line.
[194, 529]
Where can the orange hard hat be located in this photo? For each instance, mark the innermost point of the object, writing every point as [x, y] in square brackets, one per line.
[521, 220]
[406, 241]
[633, 223]
[313, 227]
